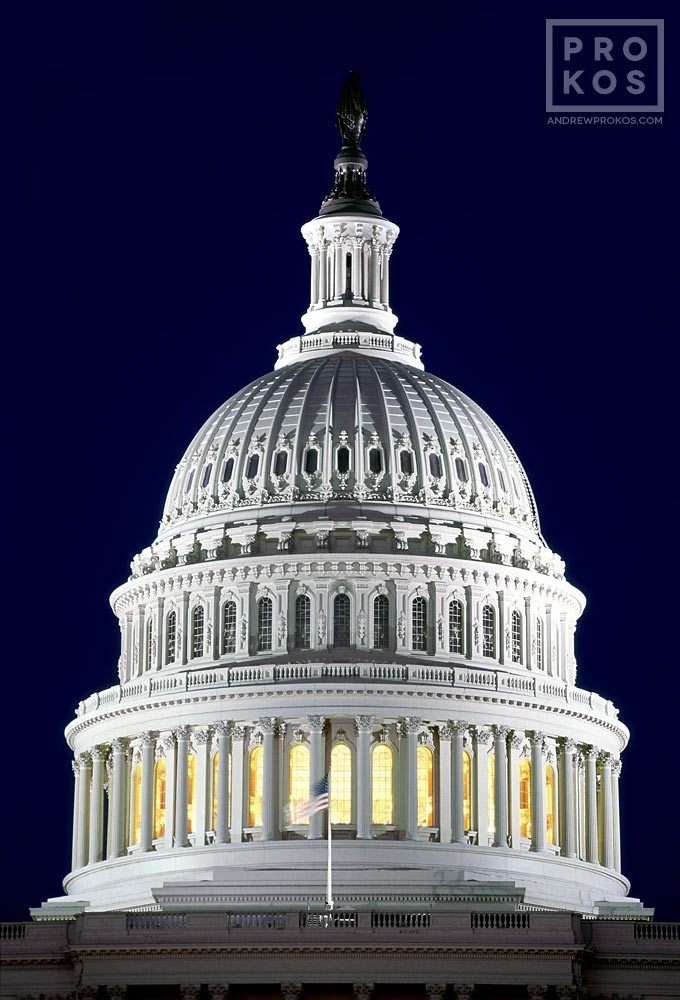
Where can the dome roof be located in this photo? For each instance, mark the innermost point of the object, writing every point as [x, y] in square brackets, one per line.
[354, 426]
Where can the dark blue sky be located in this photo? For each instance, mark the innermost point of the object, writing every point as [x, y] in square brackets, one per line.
[159, 161]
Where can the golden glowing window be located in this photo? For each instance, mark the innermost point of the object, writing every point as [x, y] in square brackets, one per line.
[341, 784]
[491, 792]
[191, 793]
[159, 797]
[136, 811]
[467, 791]
[424, 772]
[524, 798]
[298, 781]
[255, 786]
[381, 784]
[550, 803]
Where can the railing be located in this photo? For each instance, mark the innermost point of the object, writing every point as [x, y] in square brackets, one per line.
[410, 921]
[500, 921]
[657, 932]
[373, 341]
[256, 921]
[12, 932]
[326, 920]
[155, 921]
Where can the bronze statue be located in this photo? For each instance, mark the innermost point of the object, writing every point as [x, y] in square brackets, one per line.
[352, 111]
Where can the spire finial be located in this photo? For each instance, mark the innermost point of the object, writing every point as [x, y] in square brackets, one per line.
[350, 193]
[352, 112]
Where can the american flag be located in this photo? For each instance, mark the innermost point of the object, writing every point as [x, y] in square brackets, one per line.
[317, 801]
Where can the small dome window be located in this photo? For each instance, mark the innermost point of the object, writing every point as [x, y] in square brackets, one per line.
[501, 480]
[280, 463]
[483, 474]
[406, 463]
[311, 461]
[207, 472]
[228, 470]
[435, 466]
[461, 470]
[375, 460]
[190, 481]
[342, 459]
[253, 466]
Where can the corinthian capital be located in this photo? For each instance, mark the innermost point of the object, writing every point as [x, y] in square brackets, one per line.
[501, 732]
[268, 724]
[222, 729]
[412, 724]
[120, 744]
[363, 723]
[316, 723]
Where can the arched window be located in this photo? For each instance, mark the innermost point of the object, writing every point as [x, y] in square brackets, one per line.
[406, 462]
[375, 460]
[191, 793]
[488, 631]
[252, 466]
[524, 798]
[419, 623]
[461, 470]
[149, 644]
[280, 463]
[303, 622]
[207, 472]
[382, 799]
[435, 465]
[501, 480]
[516, 637]
[228, 470]
[136, 805]
[348, 275]
[483, 474]
[341, 620]
[229, 627]
[491, 793]
[381, 622]
[456, 626]
[342, 460]
[341, 784]
[170, 637]
[159, 798]
[424, 769]
[264, 624]
[550, 804]
[298, 781]
[539, 643]
[255, 785]
[197, 631]
[467, 791]
[311, 461]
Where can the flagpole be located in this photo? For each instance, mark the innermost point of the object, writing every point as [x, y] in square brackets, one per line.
[329, 886]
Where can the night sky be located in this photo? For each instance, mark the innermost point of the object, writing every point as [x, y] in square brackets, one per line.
[160, 159]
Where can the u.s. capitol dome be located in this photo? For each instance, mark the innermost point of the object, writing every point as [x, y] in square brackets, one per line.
[349, 578]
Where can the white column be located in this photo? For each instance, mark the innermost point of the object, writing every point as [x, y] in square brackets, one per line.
[607, 811]
[458, 828]
[323, 272]
[146, 818]
[183, 637]
[222, 828]
[548, 642]
[117, 798]
[385, 282]
[97, 806]
[568, 835]
[374, 272]
[529, 657]
[445, 829]
[481, 796]
[616, 819]
[168, 749]
[537, 792]
[269, 782]
[182, 734]
[363, 779]
[237, 764]
[76, 800]
[314, 284]
[317, 768]
[412, 726]
[503, 654]
[201, 740]
[500, 736]
[339, 270]
[85, 763]
[517, 742]
[357, 244]
[592, 843]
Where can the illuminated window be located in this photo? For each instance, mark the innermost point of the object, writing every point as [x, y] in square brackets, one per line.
[419, 623]
[524, 798]
[424, 768]
[170, 637]
[206, 475]
[264, 624]
[375, 460]
[341, 620]
[467, 791]
[491, 792]
[191, 792]
[456, 626]
[229, 627]
[303, 622]
[461, 470]
[516, 637]
[136, 811]
[435, 463]
[149, 644]
[381, 622]
[228, 470]
[252, 466]
[381, 784]
[550, 804]
[197, 631]
[298, 780]
[255, 786]
[342, 460]
[159, 798]
[488, 631]
[311, 461]
[406, 462]
[280, 463]
[539, 643]
[341, 784]
[483, 475]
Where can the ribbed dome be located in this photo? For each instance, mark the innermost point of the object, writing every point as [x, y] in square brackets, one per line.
[354, 427]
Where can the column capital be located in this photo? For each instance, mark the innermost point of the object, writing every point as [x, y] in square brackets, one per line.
[222, 729]
[568, 746]
[536, 738]
[120, 744]
[201, 735]
[616, 766]
[238, 732]
[291, 991]
[269, 724]
[501, 732]
[316, 723]
[190, 992]
[219, 992]
[84, 759]
[566, 992]
[363, 991]
[483, 735]
[435, 991]
[412, 724]
[363, 723]
[99, 754]
[459, 727]
[148, 739]
[537, 992]
[182, 734]
[604, 758]
[590, 753]
[463, 991]
[445, 731]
